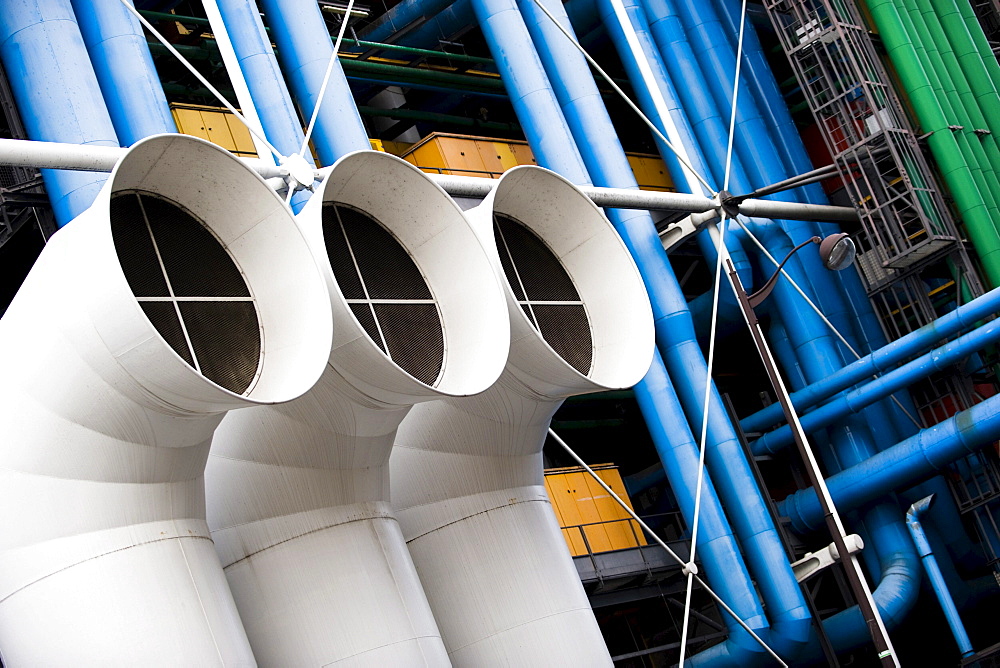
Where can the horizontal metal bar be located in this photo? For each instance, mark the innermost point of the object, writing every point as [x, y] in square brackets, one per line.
[53, 155]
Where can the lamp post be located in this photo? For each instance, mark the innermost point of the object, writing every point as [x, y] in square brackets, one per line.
[837, 252]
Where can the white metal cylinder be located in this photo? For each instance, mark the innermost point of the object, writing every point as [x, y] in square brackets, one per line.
[298, 495]
[105, 557]
[466, 473]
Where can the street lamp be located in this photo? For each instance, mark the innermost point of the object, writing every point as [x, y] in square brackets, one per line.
[837, 252]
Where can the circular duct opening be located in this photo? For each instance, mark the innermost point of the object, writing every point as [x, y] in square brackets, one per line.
[545, 292]
[221, 272]
[572, 278]
[188, 286]
[385, 291]
[414, 275]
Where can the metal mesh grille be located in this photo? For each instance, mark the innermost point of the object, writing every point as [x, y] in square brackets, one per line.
[189, 287]
[385, 290]
[163, 315]
[226, 336]
[545, 292]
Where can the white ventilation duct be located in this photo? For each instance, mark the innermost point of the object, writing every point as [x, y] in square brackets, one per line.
[298, 495]
[467, 477]
[185, 291]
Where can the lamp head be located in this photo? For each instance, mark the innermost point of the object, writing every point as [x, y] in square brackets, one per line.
[837, 251]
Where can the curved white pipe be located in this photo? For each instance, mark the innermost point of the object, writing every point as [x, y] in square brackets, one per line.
[105, 557]
[298, 495]
[466, 473]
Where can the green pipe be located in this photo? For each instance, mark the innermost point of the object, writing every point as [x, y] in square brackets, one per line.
[429, 53]
[962, 43]
[943, 144]
[363, 69]
[986, 55]
[400, 73]
[956, 76]
[950, 98]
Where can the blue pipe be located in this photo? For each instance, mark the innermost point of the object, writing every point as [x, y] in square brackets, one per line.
[305, 49]
[962, 318]
[934, 575]
[853, 401]
[759, 80]
[125, 71]
[529, 90]
[908, 462]
[260, 69]
[606, 162]
[731, 472]
[402, 15]
[717, 548]
[898, 588]
[56, 91]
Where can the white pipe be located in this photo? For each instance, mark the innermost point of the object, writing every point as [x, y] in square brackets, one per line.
[298, 495]
[466, 473]
[52, 155]
[105, 557]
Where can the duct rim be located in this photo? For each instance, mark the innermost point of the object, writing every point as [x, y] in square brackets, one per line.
[258, 232]
[452, 260]
[576, 231]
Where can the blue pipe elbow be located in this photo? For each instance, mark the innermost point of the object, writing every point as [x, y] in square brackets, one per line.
[905, 464]
[56, 92]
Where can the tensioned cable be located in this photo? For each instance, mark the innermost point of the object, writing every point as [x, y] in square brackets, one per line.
[686, 163]
[184, 61]
[820, 313]
[326, 79]
[652, 127]
[719, 252]
[659, 541]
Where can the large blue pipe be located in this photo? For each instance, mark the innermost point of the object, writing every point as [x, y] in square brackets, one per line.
[852, 402]
[529, 90]
[605, 160]
[815, 349]
[717, 549]
[731, 472]
[56, 91]
[259, 65]
[935, 576]
[884, 359]
[305, 49]
[125, 71]
[900, 466]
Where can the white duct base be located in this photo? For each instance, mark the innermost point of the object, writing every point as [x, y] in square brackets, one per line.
[483, 535]
[172, 568]
[298, 495]
[342, 566]
[514, 598]
[105, 556]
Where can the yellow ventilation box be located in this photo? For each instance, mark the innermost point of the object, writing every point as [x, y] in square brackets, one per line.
[219, 126]
[591, 520]
[465, 155]
[215, 124]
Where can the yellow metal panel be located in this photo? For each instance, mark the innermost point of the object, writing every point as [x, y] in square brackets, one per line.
[589, 516]
[242, 141]
[650, 172]
[522, 153]
[189, 122]
[218, 129]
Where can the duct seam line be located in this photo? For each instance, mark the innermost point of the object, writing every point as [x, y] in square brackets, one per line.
[258, 536]
[27, 566]
[538, 490]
